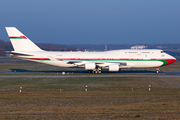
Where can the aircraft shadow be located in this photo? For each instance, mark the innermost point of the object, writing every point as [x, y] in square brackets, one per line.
[82, 71]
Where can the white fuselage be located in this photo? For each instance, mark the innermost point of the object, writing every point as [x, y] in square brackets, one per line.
[144, 58]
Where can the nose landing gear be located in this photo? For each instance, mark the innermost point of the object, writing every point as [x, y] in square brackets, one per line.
[157, 70]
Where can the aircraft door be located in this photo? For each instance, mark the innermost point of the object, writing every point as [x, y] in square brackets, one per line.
[139, 52]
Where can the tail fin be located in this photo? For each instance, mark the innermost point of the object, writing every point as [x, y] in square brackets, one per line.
[20, 42]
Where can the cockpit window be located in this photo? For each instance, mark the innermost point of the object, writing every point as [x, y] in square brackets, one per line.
[162, 51]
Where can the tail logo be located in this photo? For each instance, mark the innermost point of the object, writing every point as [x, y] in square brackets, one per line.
[21, 37]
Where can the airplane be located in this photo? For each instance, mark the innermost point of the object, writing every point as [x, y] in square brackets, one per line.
[94, 62]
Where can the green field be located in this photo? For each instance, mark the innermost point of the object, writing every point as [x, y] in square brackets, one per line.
[48, 95]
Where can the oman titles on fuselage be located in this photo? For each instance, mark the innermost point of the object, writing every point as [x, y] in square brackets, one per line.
[94, 62]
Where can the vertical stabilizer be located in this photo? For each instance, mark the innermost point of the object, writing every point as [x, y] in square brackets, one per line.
[20, 42]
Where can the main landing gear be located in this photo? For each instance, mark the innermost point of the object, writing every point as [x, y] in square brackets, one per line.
[96, 71]
[157, 70]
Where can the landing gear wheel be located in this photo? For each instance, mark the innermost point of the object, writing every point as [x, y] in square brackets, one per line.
[96, 71]
[157, 70]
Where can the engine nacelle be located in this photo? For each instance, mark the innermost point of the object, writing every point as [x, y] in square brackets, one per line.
[90, 66]
[114, 67]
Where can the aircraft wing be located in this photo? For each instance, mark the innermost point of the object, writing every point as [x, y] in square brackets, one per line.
[97, 63]
[92, 65]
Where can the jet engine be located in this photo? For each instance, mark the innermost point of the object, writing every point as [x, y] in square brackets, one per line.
[114, 67]
[90, 66]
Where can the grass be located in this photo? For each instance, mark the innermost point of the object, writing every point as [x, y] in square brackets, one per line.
[106, 98]
[104, 104]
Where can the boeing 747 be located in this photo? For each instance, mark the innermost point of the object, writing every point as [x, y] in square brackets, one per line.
[94, 62]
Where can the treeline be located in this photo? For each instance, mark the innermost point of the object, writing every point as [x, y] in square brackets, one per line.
[5, 46]
[57, 47]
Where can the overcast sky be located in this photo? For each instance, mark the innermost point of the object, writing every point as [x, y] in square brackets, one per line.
[93, 21]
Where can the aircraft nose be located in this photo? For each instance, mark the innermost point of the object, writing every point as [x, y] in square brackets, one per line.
[173, 60]
[170, 61]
